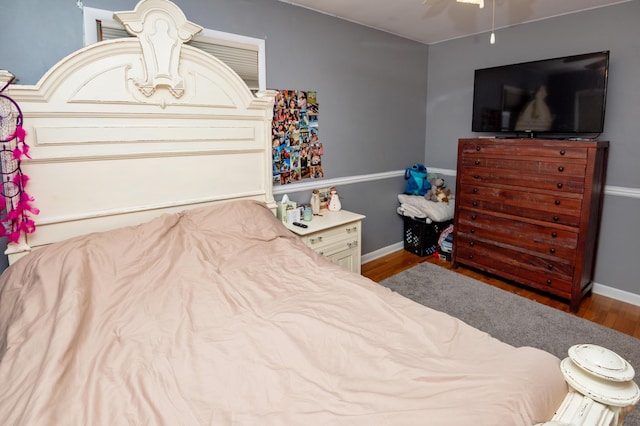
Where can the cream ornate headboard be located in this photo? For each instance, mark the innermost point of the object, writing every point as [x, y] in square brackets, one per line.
[125, 130]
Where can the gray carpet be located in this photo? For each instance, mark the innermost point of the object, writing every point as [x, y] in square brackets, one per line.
[510, 318]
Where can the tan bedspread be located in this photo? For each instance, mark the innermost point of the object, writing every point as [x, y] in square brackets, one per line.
[220, 316]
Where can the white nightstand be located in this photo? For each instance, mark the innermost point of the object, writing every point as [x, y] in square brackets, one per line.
[335, 235]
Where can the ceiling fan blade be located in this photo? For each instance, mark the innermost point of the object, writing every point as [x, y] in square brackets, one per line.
[435, 7]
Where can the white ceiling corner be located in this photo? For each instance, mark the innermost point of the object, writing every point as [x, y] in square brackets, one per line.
[434, 21]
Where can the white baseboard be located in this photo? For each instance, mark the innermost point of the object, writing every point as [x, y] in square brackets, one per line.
[601, 289]
[382, 252]
[617, 294]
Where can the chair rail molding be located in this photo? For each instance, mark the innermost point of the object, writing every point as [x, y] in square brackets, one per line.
[315, 183]
[619, 191]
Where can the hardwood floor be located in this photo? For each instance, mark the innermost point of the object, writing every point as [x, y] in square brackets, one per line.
[611, 313]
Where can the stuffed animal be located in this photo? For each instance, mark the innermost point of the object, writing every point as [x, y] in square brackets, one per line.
[443, 194]
[417, 183]
[438, 192]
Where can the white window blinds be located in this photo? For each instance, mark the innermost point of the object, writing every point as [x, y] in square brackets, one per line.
[242, 58]
[244, 55]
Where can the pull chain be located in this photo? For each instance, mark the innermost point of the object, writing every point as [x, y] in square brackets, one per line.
[492, 39]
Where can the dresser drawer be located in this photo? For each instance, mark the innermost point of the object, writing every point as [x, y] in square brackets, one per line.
[554, 242]
[552, 174]
[553, 184]
[519, 148]
[519, 266]
[542, 206]
[561, 169]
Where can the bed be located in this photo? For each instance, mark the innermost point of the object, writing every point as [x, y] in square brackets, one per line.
[159, 287]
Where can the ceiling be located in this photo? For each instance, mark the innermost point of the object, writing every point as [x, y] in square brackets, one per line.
[433, 21]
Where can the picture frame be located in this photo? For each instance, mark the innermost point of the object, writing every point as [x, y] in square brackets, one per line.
[325, 197]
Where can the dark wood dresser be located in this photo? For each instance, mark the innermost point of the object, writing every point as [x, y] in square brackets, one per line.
[528, 210]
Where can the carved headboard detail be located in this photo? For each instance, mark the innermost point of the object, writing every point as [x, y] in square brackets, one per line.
[127, 129]
[161, 28]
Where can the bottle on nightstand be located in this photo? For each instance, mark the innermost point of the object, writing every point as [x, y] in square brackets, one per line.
[315, 202]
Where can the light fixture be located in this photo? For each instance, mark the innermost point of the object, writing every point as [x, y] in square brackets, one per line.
[492, 39]
[480, 3]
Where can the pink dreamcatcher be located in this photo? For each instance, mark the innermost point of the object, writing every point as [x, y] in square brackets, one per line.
[15, 203]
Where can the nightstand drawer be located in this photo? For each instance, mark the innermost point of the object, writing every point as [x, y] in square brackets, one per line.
[335, 235]
[333, 248]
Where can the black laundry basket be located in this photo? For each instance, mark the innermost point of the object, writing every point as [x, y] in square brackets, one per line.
[420, 237]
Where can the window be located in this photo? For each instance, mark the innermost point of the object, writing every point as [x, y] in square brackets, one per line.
[245, 55]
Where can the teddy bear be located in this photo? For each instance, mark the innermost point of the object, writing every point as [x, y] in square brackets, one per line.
[438, 193]
[443, 194]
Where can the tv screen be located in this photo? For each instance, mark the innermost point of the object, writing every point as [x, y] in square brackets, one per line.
[561, 96]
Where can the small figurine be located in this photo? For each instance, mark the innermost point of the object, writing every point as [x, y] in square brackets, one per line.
[334, 201]
[315, 202]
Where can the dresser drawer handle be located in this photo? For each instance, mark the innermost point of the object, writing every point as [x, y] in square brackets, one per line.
[559, 185]
[554, 234]
[475, 204]
[352, 229]
[548, 282]
[473, 231]
[556, 218]
[474, 217]
[549, 267]
[315, 239]
[352, 244]
[557, 202]
[478, 148]
[562, 152]
[561, 169]
[476, 176]
[477, 162]
[475, 190]
[470, 256]
[472, 244]
[552, 251]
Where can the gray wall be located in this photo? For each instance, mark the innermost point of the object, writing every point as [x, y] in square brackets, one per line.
[614, 28]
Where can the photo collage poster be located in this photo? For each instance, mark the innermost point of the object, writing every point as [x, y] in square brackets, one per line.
[297, 150]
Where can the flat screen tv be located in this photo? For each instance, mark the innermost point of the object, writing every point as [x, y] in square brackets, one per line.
[560, 96]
